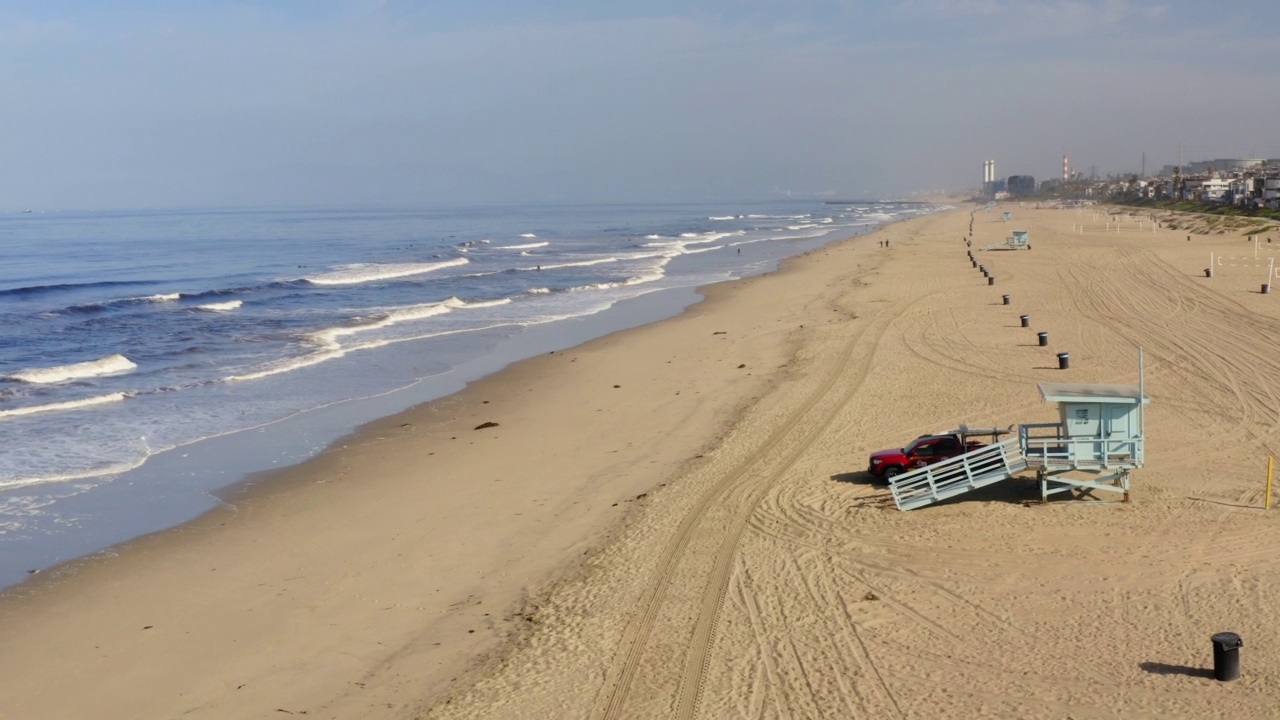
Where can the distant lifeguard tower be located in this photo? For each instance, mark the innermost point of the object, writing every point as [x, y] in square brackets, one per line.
[1097, 441]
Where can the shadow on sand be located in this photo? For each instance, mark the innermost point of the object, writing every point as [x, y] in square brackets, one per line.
[860, 477]
[1156, 668]
[1014, 491]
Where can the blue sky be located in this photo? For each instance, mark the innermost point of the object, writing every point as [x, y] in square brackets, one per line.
[146, 104]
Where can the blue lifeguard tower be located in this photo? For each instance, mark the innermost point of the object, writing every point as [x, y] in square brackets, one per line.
[1099, 434]
[1097, 441]
[1020, 240]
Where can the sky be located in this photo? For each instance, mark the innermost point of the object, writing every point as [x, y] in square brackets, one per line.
[181, 103]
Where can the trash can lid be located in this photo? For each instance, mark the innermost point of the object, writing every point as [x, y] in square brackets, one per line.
[1227, 640]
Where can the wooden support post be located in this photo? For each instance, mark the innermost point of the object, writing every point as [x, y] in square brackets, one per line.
[1271, 461]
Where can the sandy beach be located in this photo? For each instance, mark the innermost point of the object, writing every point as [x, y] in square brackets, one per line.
[674, 521]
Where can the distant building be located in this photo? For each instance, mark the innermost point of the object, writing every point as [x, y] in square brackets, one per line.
[1221, 164]
[1214, 189]
[1021, 185]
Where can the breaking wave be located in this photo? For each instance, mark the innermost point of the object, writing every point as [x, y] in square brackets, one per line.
[371, 272]
[65, 405]
[329, 339]
[108, 365]
[222, 306]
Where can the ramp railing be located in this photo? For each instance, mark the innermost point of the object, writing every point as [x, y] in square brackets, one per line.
[977, 468]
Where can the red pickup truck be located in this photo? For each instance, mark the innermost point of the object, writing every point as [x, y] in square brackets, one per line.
[924, 450]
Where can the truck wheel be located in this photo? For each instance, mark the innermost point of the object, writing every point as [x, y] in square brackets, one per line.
[892, 472]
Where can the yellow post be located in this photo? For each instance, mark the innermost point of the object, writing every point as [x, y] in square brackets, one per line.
[1271, 462]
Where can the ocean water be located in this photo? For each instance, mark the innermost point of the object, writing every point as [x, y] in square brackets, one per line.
[126, 337]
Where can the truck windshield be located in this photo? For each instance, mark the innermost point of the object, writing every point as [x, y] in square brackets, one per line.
[914, 448]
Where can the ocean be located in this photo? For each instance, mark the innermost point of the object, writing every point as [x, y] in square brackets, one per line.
[150, 358]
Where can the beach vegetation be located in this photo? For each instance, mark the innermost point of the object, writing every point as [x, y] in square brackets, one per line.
[1203, 208]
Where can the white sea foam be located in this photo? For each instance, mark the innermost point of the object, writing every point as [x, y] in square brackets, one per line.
[108, 365]
[580, 263]
[114, 469]
[370, 272]
[222, 306]
[714, 236]
[695, 251]
[642, 279]
[638, 280]
[526, 246]
[687, 239]
[67, 405]
[528, 235]
[484, 303]
[539, 291]
[720, 217]
[163, 297]
[331, 347]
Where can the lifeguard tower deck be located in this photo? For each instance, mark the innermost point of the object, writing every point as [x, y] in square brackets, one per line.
[1093, 447]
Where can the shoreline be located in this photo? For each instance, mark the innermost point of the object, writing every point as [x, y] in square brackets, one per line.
[675, 520]
[295, 486]
[178, 484]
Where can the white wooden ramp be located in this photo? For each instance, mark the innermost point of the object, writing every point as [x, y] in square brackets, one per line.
[977, 468]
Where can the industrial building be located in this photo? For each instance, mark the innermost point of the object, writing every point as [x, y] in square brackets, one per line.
[1021, 185]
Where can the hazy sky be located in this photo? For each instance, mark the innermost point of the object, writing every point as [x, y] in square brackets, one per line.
[189, 102]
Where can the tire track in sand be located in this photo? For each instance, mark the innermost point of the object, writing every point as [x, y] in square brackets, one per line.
[748, 480]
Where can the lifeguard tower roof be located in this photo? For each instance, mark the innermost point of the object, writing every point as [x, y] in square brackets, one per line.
[1080, 392]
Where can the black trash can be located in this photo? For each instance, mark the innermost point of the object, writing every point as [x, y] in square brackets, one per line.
[1266, 288]
[1064, 360]
[1026, 320]
[1226, 656]
[1208, 272]
[1044, 338]
[1005, 298]
[991, 280]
